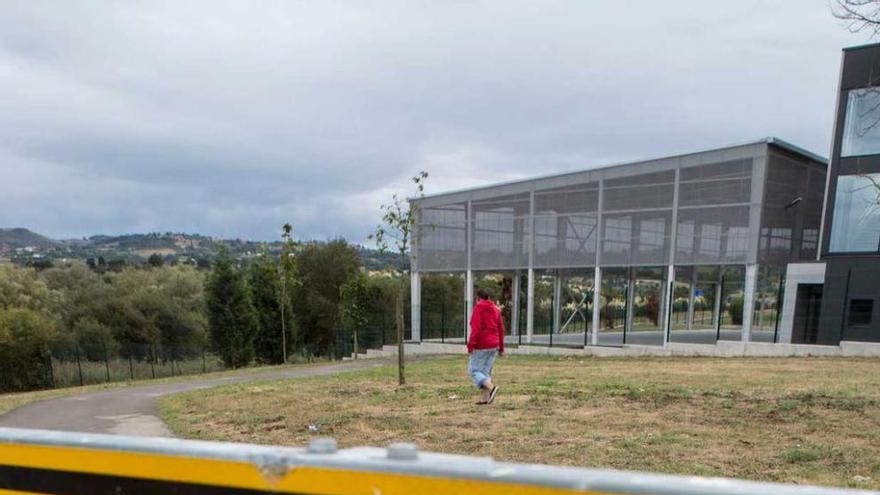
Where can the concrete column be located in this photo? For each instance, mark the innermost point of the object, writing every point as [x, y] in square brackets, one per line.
[717, 311]
[530, 306]
[749, 301]
[469, 274]
[469, 303]
[530, 289]
[597, 301]
[514, 300]
[415, 288]
[669, 294]
[557, 303]
[761, 303]
[630, 302]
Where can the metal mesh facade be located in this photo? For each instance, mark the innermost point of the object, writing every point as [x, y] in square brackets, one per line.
[443, 237]
[501, 233]
[792, 209]
[676, 249]
[729, 206]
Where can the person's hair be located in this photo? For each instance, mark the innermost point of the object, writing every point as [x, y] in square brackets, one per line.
[482, 294]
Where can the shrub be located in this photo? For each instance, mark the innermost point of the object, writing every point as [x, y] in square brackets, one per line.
[25, 339]
[736, 310]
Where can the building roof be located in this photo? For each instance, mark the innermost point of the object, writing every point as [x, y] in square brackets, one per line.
[768, 141]
[861, 47]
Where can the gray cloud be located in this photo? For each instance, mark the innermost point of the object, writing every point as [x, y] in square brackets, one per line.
[231, 118]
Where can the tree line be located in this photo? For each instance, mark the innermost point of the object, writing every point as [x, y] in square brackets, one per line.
[299, 304]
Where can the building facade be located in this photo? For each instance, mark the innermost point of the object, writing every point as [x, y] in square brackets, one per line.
[691, 249]
[836, 299]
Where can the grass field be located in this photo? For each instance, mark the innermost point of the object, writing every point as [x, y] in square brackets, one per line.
[806, 420]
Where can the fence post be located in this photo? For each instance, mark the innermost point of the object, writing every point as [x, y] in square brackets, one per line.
[443, 321]
[130, 364]
[172, 366]
[152, 363]
[204, 364]
[79, 365]
[106, 360]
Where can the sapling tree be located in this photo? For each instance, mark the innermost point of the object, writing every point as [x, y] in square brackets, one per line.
[398, 231]
[354, 299]
[287, 275]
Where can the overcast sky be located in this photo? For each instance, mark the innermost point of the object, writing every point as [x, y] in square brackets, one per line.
[231, 118]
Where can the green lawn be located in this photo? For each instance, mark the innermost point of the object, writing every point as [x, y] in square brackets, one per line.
[801, 420]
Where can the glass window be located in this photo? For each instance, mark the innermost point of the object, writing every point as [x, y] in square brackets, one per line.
[855, 227]
[861, 130]
[860, 312]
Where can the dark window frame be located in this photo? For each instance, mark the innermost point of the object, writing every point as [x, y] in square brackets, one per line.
[869, 310]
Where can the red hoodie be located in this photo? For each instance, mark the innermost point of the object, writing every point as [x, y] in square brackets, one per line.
[487, 327]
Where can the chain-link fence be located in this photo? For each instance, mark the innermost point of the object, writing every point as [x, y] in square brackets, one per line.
[371, 337]
[74, 364]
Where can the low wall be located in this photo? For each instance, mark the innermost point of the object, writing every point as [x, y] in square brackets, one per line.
[721, 349]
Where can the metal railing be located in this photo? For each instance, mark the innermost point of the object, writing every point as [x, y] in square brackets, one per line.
[36, 461]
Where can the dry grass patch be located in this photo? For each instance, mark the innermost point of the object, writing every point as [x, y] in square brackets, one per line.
[804, 420]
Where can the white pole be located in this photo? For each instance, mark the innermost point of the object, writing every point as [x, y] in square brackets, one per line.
[557, 302]
[469, 303]
[597, 301]
[668, 301]
[415, 287]
[691, 298]
[749, 301]
[515, 301]
[530, 306]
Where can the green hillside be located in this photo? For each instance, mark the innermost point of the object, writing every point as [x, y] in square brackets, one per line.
[21, 238]
[25, 247]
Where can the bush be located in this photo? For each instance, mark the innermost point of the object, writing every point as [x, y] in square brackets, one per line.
[736, 310]
[25, 339]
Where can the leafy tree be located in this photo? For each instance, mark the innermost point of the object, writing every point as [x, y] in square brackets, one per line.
[41, 264]
[116, 265]
[156, 260]
[354, 305]
[231, 320]
[323, 269]
[22, 288]
[287, 278]
[183, 325]
[442, 306]
[398, 231]
[273, 312]
[26, 337]
[94, 338]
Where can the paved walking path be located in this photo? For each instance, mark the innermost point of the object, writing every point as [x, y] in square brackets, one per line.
[134, 410]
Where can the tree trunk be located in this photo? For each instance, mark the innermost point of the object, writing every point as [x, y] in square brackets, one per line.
[400, 335]
[283, 331]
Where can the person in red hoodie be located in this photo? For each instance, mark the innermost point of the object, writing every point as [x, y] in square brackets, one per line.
[484, 345]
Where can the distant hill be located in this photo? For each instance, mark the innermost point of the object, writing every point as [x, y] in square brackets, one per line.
[16, 238]
[24, 247]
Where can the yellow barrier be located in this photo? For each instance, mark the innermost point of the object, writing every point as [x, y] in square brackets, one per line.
[41, 462]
